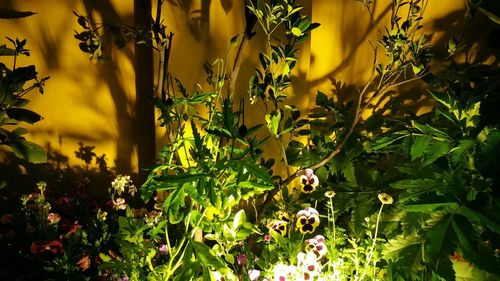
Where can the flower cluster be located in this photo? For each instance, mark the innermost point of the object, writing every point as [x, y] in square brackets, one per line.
[123, 184]
[307, 220]
[120, 185]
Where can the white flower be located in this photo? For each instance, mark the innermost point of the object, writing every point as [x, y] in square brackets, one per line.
[308, 265]
[283, 272]
[253, 274]
[121, 183]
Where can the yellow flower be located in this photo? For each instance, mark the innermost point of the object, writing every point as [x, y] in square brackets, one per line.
[385, 198]
[307, 220]
[283, 215]
[308, 180]
[277, 226]
[330, 194]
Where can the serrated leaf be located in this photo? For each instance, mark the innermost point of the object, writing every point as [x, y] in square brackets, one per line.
[207, 256]
[437, 231]
[428, 208]
[255, 170]
[435, 151]
[479, 218]
[419, 146]
[459, 153]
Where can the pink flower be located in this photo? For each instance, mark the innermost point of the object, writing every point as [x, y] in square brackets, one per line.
[241, 259]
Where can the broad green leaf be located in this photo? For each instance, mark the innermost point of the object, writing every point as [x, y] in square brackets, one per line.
[479, 218]
[469, 250]
[420, 144]
[30, 151]
[435, 150]
[404, 247]
[207, 256]
[459, 153]
[442, 98]
[437, 231]
[173, 203]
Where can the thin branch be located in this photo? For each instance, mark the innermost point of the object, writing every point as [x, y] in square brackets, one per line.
[250, 20]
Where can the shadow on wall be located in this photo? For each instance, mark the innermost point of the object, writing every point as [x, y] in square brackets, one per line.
[19, 177]
[109, 70]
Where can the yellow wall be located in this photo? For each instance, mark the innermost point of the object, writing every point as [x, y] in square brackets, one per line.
[94, 103]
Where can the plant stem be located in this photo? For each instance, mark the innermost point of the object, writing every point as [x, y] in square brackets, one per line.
[370, 254]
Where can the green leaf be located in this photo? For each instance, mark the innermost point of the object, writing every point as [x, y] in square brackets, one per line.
[6, 13]
[273, 122]
[207, 256]
[388, 140]
[490, 15]
[479, 218]
[24, 115]
[435, 151]
[296, 31]
[407, 250]
[442, 98]
[419, 146]
[172, 205]
[428, 208]
[255, 185]
[469, 251]
[175, 180]
[254, 170]
[459, 153]
[239, 219]
[438, 226]
[429, 130]
[29, 151]
[323, 101]
[5, 51]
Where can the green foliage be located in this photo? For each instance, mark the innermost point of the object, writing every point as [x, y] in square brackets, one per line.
[219, 201]
[15, 83]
